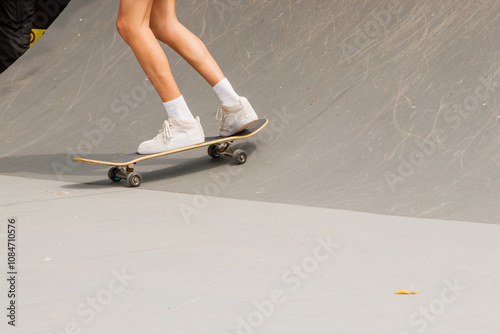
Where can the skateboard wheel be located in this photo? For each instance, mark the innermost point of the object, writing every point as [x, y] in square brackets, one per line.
[240, 156]
[213, 151]
[134, 179]
[112, 175]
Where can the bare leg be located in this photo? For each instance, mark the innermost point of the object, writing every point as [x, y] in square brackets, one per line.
[170, 31]
[133, 25]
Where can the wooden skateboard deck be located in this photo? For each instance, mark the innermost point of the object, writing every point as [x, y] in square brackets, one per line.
[123, 165]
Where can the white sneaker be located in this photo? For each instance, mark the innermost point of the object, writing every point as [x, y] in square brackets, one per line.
[176, 133]
[235, 118]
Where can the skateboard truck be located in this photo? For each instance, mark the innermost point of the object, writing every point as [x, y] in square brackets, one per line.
[225, 149]
[118, 173]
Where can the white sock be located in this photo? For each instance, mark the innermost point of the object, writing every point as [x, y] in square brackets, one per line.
[178, 109]
[226, 93]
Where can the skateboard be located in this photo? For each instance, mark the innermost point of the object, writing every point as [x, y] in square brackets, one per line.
[123, 165]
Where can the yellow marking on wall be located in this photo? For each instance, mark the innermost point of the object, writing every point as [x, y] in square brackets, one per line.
[35, 35]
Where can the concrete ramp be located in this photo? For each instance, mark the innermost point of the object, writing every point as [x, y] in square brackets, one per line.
[386, 108]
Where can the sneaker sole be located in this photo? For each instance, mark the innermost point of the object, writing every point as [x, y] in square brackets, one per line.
[177, 145]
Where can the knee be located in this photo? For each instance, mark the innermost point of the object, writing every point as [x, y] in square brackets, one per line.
[166, 31]
[124, 28]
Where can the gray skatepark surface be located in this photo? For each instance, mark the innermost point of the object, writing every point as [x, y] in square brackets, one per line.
[383, 138]
[349, 112]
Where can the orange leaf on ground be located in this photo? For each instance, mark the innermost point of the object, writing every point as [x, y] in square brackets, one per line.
[406, 292]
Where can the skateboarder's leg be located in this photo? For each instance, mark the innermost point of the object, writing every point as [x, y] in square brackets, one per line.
[236, 112]
[170, 31]
[133, 25]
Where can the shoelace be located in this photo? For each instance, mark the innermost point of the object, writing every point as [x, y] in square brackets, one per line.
[166, 130]
[219, 115]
